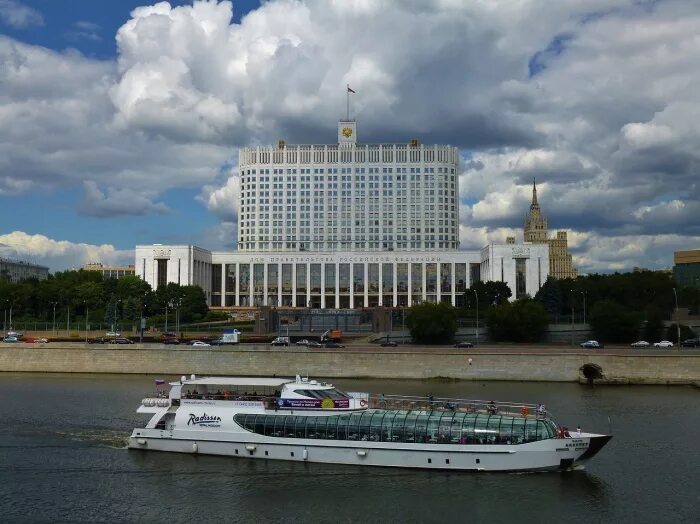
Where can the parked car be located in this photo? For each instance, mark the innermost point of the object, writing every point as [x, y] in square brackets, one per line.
[663, 344]
[199, 343]
[640, 344]
[314, 344]
[389, 344]
[302, 342]
[112, 334]
[35, 340]
[464, 345]
[97, 340]
[10, 339]
[591, 344]
[691, 343]
[121, 340]
[170, 341]
[333, 345]
[280, 341]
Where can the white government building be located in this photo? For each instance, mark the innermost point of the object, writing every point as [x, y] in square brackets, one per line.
[346, 225]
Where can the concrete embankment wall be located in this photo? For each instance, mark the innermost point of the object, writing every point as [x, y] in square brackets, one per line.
[485, 365]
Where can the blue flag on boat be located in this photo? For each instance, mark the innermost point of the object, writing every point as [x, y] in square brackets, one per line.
[160, 382]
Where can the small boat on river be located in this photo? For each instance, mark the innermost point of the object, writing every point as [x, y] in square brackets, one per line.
[310, 421]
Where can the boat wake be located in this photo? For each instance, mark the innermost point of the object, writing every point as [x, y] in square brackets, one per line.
[104, 438]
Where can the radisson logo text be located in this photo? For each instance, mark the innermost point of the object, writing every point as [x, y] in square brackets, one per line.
[204, 420]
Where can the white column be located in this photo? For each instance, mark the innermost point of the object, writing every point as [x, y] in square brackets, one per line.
[337, 285]
[396, 282]
[323, 285]
[294, 285]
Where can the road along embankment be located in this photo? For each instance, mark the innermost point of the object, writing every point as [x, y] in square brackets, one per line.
[498, 364]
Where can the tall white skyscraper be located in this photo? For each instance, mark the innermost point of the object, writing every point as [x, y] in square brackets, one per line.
[349, 196]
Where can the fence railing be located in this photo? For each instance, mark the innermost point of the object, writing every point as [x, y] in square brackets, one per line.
[416, 403]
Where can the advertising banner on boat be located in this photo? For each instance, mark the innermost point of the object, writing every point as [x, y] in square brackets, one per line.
[315, 403]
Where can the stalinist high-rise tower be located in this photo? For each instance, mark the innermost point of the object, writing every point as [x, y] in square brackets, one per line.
[535, 222]
[535, 231]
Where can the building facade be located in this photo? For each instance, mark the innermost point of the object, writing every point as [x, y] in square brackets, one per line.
[18, 270]
[346, 225]
[111, 271]
[535, 231]
[686, 268]
[343, 279]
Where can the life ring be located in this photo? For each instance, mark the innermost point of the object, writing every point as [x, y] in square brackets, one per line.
[363, 403]
[524, 411]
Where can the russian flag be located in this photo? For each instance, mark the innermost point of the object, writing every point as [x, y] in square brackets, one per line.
[160, 382]
[350, 90]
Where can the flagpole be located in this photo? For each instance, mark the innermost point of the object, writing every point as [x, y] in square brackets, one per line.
[347, 102]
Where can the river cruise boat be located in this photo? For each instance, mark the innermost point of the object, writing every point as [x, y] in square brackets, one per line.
[309, 421]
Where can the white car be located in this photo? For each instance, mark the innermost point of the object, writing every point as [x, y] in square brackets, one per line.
[112, 334]
[663, 344]
[199, 343]
[302, 342]
[640, 344]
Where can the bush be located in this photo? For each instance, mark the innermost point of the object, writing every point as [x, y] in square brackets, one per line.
[612, 322]
[432, 323]
[672, 333]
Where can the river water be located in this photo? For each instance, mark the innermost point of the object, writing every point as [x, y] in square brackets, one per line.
[63, 459]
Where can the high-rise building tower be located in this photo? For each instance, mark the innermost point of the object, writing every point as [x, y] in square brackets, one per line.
[349, 196]
[535, 221]
[535, 231]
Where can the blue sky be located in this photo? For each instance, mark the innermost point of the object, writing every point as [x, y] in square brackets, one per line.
[89, 27]
[110, 142]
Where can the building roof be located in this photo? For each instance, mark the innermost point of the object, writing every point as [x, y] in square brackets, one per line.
[686, 257]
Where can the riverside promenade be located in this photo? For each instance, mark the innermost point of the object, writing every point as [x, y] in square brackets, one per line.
[519, 363]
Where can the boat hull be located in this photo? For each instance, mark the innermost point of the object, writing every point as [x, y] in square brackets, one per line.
[551, 454]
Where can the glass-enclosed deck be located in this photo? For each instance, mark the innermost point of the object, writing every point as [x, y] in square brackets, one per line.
[380, 425]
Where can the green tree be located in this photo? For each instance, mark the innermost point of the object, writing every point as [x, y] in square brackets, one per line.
[521, 321]
[432, 323]
[654, 325]
[490, 294]
[549, 296]
[612, 322]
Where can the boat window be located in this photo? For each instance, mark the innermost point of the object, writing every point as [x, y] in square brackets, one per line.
[300, 427]
[530, 430]
[343, 426]
[322, 393]
[518, 431]
[505, 430]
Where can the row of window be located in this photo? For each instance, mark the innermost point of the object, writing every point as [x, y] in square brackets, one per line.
[441, 427]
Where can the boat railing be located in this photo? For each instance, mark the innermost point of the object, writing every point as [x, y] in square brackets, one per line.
[429, 403]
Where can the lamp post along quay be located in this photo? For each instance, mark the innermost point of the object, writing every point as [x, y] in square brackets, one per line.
[678, 324]
[476, 295]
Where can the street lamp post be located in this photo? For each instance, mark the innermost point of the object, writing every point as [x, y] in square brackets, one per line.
[87, 321]
[584, 305]
[53, 327]
[476, 295]
[678, 324]
[166, 316]
[572, 316]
